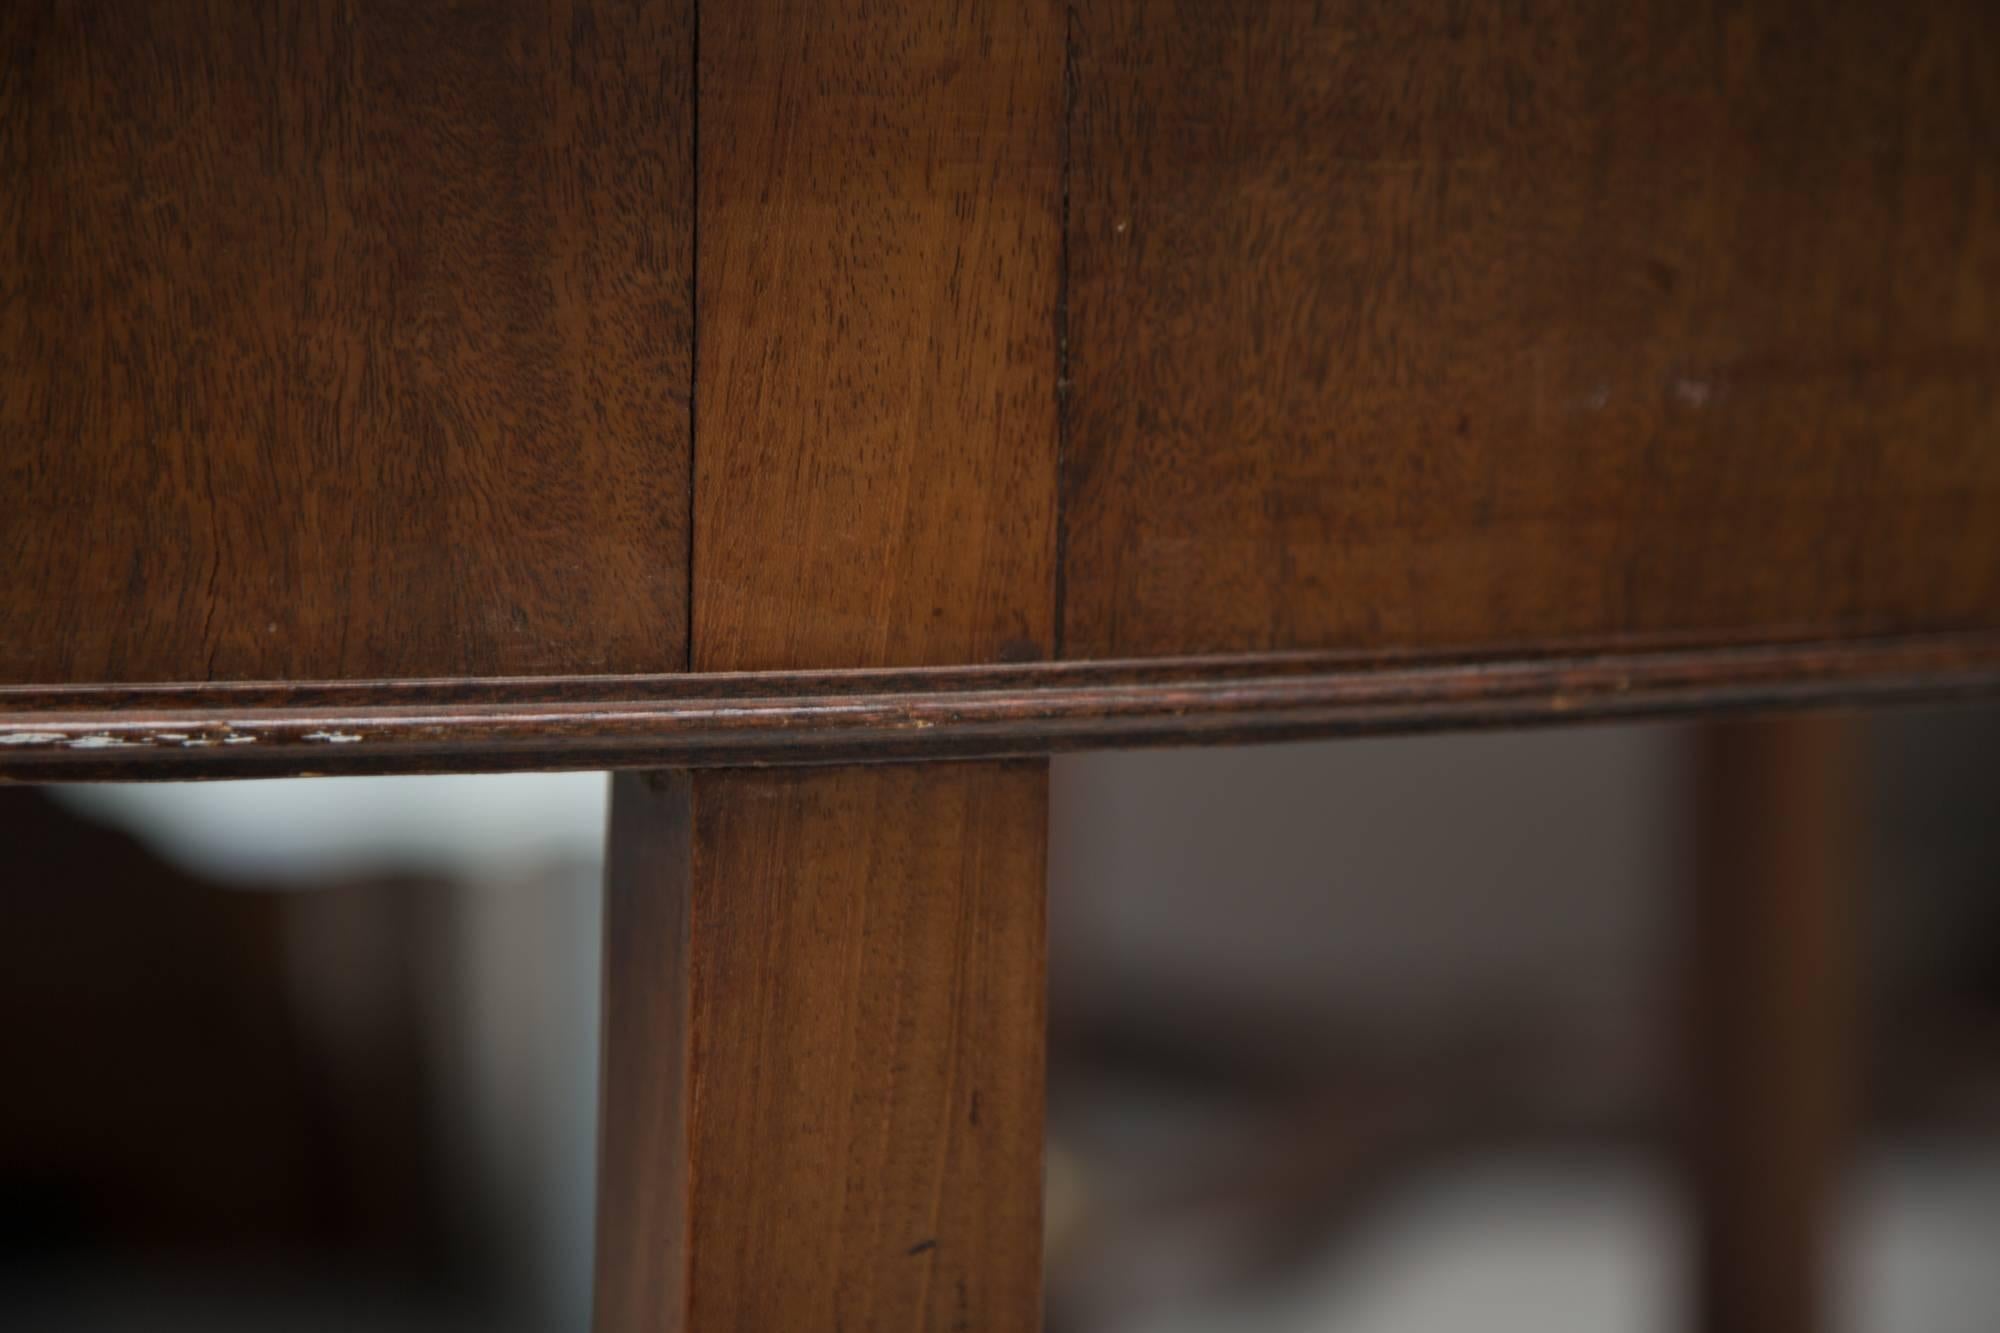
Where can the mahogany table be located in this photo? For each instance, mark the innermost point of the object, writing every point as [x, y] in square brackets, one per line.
[745, 395]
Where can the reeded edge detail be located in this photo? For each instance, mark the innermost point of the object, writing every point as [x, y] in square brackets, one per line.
[173, 732]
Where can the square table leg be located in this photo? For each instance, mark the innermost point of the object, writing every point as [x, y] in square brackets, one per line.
[823, 1049]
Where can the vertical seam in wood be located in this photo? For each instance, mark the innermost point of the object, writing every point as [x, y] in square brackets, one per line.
[1060, 574]
[694, 314]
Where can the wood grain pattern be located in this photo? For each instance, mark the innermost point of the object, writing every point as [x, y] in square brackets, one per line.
[880, 208]
[343, 339]
[859, 1023]
[784, 718]
[1774, 1018]
[1447, 325]
[875, 486]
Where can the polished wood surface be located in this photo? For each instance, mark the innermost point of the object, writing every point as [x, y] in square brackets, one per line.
[857, 1093]
[343, 340]
[362, 343]
[556, 383]
[816, 717]
[1774, 1031]
[1442, 325]
[880, 255]
[824, 1047]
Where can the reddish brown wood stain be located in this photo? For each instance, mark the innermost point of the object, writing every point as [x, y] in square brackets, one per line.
[823, 1050]
[1773, 1016]
[1443, 325]
[1640, 357]
[867, 1047]
[343, 340]
[859, 1139]
[643, 1130]
[880, 258]
[932, 713]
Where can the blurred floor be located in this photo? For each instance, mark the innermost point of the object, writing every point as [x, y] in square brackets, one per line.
[421, 1118]
[1368, 1037]
[1595, 1244]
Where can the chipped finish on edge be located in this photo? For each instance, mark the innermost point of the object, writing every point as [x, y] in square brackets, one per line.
[777, 718]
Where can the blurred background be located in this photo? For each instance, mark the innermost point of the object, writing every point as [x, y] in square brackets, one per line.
[1368, 1036]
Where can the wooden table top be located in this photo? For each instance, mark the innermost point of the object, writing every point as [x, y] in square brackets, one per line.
[406, 387]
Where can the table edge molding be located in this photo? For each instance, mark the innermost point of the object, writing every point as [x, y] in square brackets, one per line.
[264, 729]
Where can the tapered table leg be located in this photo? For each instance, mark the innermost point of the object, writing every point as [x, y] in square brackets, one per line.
[823, 1050]
[1772, 1016]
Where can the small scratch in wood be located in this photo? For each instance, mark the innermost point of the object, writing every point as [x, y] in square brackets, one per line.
[332, 737]
[102, 743]
[34, 738]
